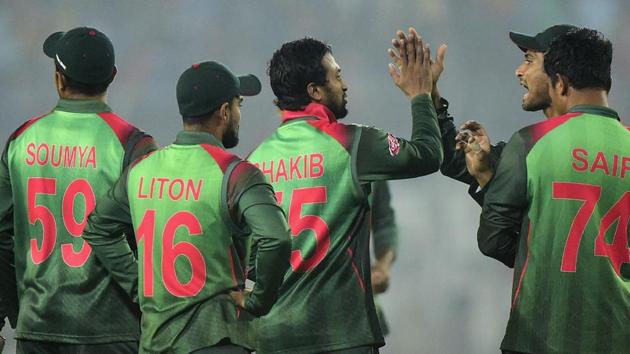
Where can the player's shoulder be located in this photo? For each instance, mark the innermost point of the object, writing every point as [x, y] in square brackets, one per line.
[221, 156]
[533, 133]
[26, 125]
[343, 133]
[119, 126]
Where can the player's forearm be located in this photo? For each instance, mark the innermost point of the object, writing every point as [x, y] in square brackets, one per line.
[381, 156]
[385, 259]
[8, 290]
[111, 248]
[273, 247]
[104, 232]
[425, 136]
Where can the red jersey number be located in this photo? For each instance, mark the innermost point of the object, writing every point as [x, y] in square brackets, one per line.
[619, 213]
[42, 214]
[170, 252]
[300, 223]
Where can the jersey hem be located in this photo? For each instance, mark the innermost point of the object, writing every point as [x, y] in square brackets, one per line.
[23, 335]
[324, 348]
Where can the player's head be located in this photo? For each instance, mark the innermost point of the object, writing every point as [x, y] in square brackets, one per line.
[209, 96]
[578, 60]
[531, 73]
[304, 71]
[84, 62]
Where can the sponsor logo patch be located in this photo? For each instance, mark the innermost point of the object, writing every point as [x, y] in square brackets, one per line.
[394, 145]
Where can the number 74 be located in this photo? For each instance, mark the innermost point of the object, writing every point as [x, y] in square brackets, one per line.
[589, 194]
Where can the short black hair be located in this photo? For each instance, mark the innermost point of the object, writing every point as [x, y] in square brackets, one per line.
[292, 67]
[583, 57]
[83, 88]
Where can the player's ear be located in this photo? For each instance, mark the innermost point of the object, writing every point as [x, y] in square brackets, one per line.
[561, 85]
[315, 92]
[224, 112]
[60, 82]
[114, 72]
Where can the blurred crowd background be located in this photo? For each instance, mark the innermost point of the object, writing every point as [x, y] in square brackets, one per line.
[445, 297]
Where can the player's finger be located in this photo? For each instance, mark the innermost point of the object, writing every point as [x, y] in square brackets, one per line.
[441, 53]
[426, 59]
[403, 53]
[411, 48]
[393, 56]
[393, 72]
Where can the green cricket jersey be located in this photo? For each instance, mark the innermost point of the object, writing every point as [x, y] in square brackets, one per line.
[557, 209]
[192, 206]
[53, 171]
[321, 171]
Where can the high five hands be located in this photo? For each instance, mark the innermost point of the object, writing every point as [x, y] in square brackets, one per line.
[412, 69]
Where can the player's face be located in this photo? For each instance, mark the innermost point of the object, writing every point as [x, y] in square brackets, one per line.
[532, 76]
[230, 137]
[334, 91]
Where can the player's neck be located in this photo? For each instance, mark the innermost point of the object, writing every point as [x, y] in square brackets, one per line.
[593, 97]
[79, 96]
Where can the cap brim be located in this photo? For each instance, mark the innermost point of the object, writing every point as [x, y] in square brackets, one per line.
[50, 44]
[249, 85]
[525, 42]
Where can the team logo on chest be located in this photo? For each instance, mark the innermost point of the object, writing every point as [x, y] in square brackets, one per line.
[393, 144]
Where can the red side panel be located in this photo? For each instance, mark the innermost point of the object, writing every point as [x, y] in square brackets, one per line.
[121, 127]
[222, 157]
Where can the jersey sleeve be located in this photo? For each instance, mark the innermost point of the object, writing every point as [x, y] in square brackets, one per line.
[8, 290]
[107, 231]
[381, 156]
[384, 228]
[253, 206]
[138, 144]
[504, 204]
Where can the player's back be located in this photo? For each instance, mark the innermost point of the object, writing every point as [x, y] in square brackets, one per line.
[325, 302]
[187, 258]
[572, 284]
[60, 165]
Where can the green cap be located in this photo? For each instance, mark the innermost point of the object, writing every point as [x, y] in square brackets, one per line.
[541, 41]
[204, 87]
[84, 54]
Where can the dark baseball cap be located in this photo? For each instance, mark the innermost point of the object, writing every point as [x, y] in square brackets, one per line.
[541, 41]
[204, 87]
[84, 54]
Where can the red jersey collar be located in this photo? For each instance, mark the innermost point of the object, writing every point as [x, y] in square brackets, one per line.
[311, 110]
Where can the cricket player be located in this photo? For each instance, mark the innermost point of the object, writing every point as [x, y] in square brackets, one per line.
[384, 242]
[321, 170]
[53, 170]
[557, 207]
[192, 206]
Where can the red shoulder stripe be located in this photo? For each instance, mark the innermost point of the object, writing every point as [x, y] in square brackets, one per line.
[26, 125]
[121, 127]
[222, 157]
[338, 131]
[541, 129]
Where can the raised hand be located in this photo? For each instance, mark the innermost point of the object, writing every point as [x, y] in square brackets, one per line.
[411, 66]
[474, 141]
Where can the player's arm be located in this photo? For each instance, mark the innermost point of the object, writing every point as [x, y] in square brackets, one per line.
[504, 204]
[106, 231]
[384, 235]
[138, 144]
[8, 290]
[254, 206]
